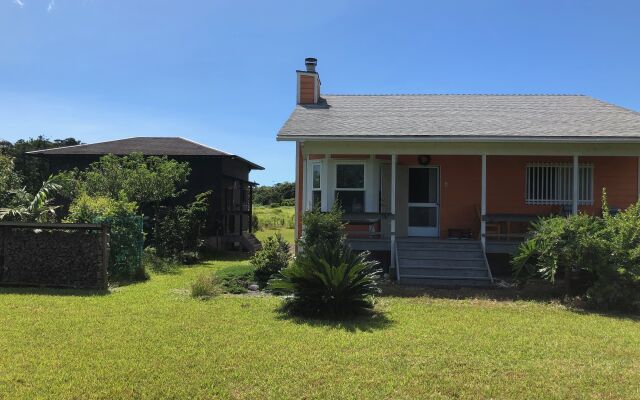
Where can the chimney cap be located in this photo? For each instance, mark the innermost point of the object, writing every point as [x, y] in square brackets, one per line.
[311, 63]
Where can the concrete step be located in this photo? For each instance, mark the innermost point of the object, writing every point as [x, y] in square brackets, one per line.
[441, 245]
[444, 271]
[440, 254]
[444, 281]
[434, 240]
[451, 249]
[440, 262]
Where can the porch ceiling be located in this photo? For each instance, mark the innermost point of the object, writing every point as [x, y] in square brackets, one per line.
[547, 148]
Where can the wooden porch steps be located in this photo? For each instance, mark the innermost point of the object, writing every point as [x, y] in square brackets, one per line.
[250, 242]
[445, 263]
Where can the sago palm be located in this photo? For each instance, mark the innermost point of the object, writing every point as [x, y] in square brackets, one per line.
[328, 281]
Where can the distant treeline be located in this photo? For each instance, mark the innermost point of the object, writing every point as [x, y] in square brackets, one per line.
[280, 194]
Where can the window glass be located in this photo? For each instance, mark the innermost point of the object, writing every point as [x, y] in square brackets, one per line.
[317, 199]
[423, 185]
[351, 201]
[350, 176]
[423, 216]
[316, 176]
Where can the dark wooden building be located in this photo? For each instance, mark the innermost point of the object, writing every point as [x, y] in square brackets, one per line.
[227, 175]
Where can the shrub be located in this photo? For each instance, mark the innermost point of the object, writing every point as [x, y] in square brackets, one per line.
[206, 286]
[159, 265]
[125, 247]
[179, 231]
[273, 257]
[617, 276]
[323, 227]
[328, 281]
[126, 235]
[570, 243]
[605, 250]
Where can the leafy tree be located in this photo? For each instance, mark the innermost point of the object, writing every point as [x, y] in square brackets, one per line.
[179, 231]
[87, 209]
[278, 194]
[26, 207]
[145, 180]
[33, 170]
[9, 180]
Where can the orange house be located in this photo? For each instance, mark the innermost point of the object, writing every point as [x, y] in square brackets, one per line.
[436, 182]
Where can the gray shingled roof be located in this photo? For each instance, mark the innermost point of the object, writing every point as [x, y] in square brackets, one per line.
[149, 146]
[472, 116]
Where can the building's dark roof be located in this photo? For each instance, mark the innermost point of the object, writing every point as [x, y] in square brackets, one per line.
[472, 116]
[149, 146]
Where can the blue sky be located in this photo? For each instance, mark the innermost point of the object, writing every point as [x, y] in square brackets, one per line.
[222, 72]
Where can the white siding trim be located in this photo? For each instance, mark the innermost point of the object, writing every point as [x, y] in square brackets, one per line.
[483, 203]
[575, 195]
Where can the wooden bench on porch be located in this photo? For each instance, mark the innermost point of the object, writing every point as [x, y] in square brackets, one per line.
[496, 221]
[370, 220]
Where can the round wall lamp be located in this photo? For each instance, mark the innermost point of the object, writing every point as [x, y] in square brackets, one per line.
[424, 160]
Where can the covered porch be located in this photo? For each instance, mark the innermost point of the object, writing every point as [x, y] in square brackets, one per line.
[389, 192]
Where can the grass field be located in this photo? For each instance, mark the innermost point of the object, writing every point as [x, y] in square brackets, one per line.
[151, 340]
[275, 220]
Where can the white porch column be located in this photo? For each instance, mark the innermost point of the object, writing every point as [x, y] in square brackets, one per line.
[298, 186]
[394, 161]
[638, 178]
[305, 184]
[483, 203]
[576, 177]
[324, 183]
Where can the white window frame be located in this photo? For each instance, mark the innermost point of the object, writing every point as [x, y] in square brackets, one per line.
[311, 165]
[562, 174]
[363, 189]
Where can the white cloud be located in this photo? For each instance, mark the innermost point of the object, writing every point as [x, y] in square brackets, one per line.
[52, 4]
[19, 3]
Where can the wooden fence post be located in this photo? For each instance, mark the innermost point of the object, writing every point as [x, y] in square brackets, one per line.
[105, 253]
[3, 232]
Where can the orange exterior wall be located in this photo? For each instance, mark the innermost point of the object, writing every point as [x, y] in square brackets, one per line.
[460, 186]
[506, 183]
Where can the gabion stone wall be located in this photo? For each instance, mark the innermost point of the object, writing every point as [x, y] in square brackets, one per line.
[53, 257]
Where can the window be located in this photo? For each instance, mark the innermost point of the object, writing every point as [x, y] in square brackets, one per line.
[350, 187]
[316, 187]
[552, 184]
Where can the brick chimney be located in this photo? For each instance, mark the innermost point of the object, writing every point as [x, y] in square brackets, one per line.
[308, 83]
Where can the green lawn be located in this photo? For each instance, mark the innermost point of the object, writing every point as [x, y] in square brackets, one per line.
[151, 340]
[275, 220]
